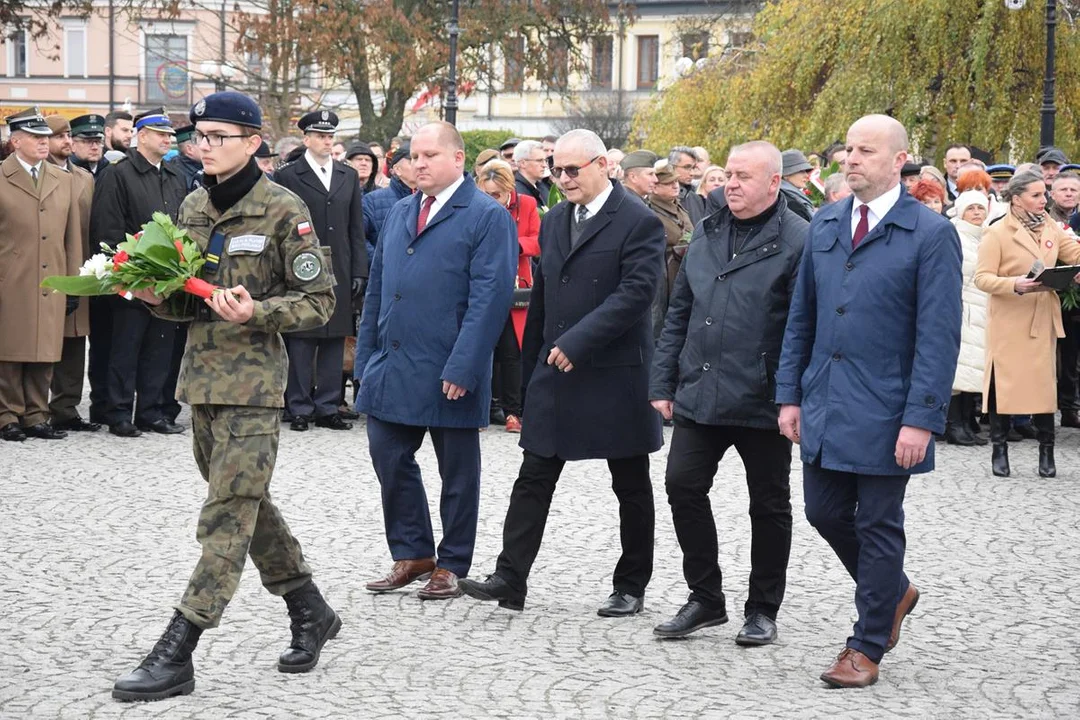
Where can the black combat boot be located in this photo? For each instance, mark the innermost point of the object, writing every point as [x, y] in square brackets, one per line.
[970, 418]
[313, 623]
[167, 670]
[1044, 425]
[999, 433]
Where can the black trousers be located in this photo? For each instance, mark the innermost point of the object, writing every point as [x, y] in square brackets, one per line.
[314, 363]
[101, 328]
[508, 377]
[1068, 383]
[527, 515]
[140, 357]
[67, 381]
[695, 454]
[170, 403]
[1000, 424]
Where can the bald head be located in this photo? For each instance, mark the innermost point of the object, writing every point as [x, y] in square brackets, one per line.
[438, 157]
[877, 150]
[753, 171]
[444, 133]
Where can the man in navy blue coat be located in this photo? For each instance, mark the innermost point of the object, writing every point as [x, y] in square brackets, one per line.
[378, 203]
[865, 377]
[585, 358]
[439, 293]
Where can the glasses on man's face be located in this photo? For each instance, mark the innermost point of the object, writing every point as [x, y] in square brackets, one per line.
[691, 166]
[214, 140]
[571, 170]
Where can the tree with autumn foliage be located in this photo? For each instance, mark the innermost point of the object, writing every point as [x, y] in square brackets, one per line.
[950, 70]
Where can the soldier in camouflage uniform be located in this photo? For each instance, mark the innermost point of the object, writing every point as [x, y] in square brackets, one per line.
[259, 244]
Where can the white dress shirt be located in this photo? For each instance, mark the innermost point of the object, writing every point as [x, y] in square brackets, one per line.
[441, 199]
[593, 207]
[323, 172]
[27, 166]
[879, 208]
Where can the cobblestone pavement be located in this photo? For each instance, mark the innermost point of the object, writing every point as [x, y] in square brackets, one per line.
[94, 557]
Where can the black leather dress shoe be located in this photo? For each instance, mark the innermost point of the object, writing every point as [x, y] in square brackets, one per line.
[162, 426]
[77, 424]
[299, 424]
[44, 431]
[12, 433]
[346, 414]
[332, 422]
[1027, 432]
[497, 416]
[494, 589]
[692, 616]
[125, 429]
[1070, 419]
[621, 605]
[759, 629]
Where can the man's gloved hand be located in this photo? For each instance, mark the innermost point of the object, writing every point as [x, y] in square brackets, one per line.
[358, 286]
[72, 304]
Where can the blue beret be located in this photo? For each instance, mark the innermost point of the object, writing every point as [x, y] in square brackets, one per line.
[230, 107]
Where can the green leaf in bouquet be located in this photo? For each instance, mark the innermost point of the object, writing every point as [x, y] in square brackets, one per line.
[81, 285]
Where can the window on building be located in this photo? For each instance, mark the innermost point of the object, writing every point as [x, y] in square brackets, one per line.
[514, 66]
[559, 64]
[695, 45]
[166, 69]
[648, 60]
[602, 59]
[18, 57]
[306, 74]
[75, 51]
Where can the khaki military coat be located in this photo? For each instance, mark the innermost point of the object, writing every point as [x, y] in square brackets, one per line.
[40, 235]
[1022, 330]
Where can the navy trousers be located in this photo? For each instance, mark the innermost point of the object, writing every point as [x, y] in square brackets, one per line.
[314, 363]
[862, 518]
[405, 507]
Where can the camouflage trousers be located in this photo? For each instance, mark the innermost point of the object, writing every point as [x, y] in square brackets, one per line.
[235, 449]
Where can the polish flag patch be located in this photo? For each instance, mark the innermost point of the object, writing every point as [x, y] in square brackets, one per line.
[303, 228]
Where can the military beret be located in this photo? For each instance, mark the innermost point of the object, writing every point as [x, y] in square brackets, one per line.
[1001, 172]
[89, 126]
[910, 169]
[58, 124]
[228, 106]
[154, 119]
[319, 121]
[264, 150]
[665, 172]
[30, 121]
[400, 154]
[512, 142]
[638, 159]
[185, 134]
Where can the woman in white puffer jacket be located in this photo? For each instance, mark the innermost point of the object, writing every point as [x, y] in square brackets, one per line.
[970, 211]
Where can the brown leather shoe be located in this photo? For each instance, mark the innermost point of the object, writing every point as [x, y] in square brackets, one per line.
[443, 585]
[403, 573]
[903, 609]
[851, 669]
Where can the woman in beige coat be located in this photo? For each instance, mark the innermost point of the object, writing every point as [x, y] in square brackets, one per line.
[1024, 318]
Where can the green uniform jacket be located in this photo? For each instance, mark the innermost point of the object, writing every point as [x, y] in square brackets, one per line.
[271, 249]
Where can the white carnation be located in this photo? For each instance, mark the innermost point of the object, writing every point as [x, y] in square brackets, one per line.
[98, 265]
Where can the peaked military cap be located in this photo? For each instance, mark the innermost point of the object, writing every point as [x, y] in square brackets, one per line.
[228, 106]
[320, 121]
[910, 169]
[185, 133]
[30, 120]
[154, 119]
[88, 126]
[1071, 167]
[509, 143]
[1001, 172]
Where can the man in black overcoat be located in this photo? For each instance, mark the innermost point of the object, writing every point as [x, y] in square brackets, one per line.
[585, 363]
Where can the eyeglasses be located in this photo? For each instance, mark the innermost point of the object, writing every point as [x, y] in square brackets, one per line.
[691, 166]
[214, 140]
[571, 170]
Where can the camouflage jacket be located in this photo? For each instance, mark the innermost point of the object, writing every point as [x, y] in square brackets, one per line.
[270, 249]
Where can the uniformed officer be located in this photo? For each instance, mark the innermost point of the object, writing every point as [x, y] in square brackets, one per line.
[188, 158]
[68, 374]
[259, 243]
[132, 372]
[87, 135]
[332, 192]
[266, 159]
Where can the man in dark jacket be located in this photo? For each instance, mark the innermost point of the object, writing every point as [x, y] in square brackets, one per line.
[130, 350]
[331, 190]
[528, 177]
[796, 174]
[733, 289]
[585, 360]
[87, 135]
[683, 160]
[378, 203]
[188, 158]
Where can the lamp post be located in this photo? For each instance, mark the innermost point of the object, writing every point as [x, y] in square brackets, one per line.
[451, 91]
[1048, 111]
[218, 72]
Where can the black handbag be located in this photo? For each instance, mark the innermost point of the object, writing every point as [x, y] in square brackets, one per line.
[521, 298]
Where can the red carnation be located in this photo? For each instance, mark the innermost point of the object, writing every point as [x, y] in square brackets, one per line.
[119, 259]
[179, 248]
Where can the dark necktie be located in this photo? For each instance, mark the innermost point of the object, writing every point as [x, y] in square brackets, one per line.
[33, 175]
[425, 208]
[582, 214]
[862, 228]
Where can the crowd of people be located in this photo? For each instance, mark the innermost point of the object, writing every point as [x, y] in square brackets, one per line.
[852, 302]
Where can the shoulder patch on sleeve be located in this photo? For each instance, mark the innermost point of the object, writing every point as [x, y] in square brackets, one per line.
[304, 228]
[307, 266]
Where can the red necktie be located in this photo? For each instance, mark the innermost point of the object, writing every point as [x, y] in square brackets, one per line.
[863, 228]
[425, 208]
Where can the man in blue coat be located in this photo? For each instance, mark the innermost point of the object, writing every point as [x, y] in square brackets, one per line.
[378, 203]
[439, 293]
[585, 360]
[865, 377]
